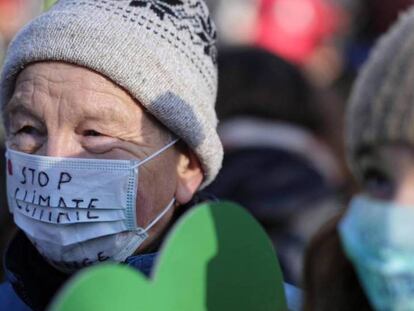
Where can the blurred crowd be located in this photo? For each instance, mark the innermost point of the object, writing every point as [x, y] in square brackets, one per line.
[286, 68]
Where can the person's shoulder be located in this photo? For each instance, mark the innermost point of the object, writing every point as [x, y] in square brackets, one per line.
[9, 299]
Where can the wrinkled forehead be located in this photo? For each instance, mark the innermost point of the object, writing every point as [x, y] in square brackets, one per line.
[51, 81]
[90, 93]
[45, 75]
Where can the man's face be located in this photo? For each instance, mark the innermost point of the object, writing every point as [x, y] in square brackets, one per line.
[63, 110]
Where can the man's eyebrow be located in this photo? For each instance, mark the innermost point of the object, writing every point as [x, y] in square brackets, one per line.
[19, 107]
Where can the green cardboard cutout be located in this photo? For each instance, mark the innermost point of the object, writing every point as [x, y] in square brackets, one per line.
[216, 258]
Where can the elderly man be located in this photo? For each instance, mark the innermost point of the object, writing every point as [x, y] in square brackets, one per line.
[111, 131]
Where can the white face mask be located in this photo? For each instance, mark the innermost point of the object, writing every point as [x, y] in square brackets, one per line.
[77, 212]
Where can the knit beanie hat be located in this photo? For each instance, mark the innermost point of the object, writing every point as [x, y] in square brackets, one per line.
[381, 108]
[161, 51]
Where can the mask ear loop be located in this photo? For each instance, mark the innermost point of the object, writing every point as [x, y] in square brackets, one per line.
[156, 153]
[160, 216]
[173, 200]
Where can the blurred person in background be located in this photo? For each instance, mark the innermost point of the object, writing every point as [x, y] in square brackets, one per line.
[312, 34]
[364, 260]
[277, 161]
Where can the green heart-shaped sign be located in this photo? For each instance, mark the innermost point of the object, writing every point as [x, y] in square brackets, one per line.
[217, 257]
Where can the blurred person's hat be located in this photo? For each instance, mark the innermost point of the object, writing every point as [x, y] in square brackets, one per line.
[381, 108]
[259, 84]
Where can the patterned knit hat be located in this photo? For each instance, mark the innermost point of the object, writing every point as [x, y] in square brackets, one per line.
[381, 108]
[161, 51]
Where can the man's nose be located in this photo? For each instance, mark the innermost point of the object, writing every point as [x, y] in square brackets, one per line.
[404, 194]
[61, 145]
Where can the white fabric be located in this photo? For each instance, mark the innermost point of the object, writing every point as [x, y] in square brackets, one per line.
[77, 211]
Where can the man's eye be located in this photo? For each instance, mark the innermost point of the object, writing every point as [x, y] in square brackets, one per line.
[92, 133]
[378, 184]
[29, 130]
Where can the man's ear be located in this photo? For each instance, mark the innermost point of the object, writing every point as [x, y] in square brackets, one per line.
[189, 174]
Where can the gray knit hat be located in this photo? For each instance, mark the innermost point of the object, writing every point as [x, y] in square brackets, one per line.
[161, 51]
[381, 108]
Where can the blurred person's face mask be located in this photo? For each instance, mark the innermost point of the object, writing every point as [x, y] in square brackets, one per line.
[378, 237]
[77, 212]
